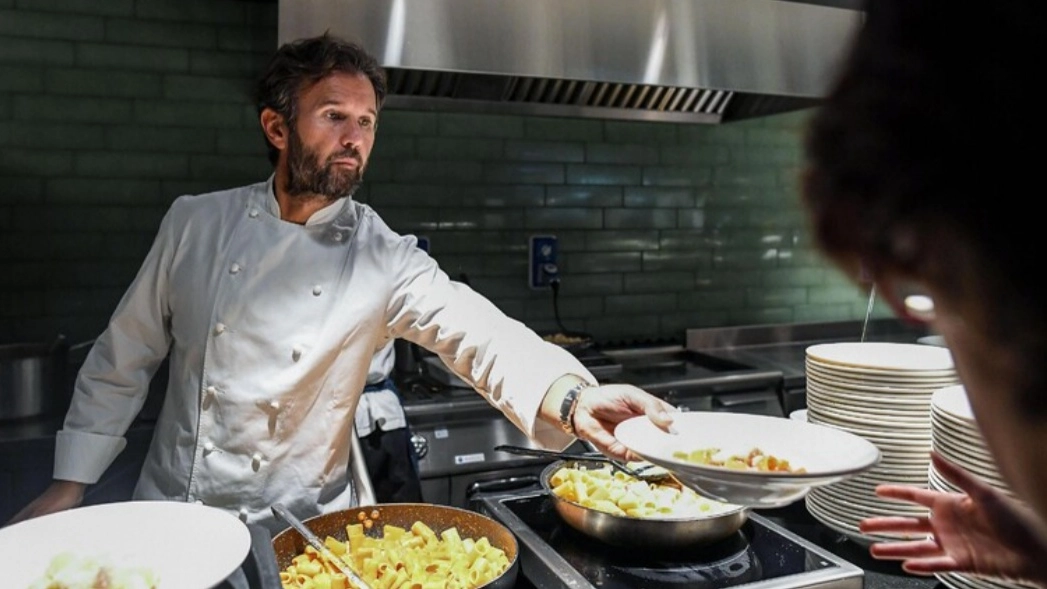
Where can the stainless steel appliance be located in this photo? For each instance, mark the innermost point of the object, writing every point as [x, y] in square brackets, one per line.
[696, 381]
[762, 555]
[454, 432]
[684, 61]
[783, 347]
[32, 376]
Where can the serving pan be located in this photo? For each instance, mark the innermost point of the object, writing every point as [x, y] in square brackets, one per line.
[641, 533]
[289, 543]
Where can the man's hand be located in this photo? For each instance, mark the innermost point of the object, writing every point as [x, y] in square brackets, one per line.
[981, 531]
[59, 496]
[601, 408]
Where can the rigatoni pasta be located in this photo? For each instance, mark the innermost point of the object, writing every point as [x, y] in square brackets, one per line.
[400, 558]
[613, 491]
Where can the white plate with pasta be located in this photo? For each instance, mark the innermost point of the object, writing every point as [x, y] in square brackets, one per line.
[757, 461]
[147, 544]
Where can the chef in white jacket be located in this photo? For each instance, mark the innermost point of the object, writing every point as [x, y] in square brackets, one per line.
[271, 300]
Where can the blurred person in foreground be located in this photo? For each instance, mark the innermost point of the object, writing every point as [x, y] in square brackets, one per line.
[272, 299]
[918, 166]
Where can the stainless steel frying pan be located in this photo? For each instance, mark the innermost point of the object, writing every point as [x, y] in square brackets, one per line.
[642, 533]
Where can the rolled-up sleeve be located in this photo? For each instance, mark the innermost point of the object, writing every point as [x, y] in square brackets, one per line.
[113, 382]
[503, 359]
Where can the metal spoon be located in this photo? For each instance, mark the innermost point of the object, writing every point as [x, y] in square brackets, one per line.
[281, 512]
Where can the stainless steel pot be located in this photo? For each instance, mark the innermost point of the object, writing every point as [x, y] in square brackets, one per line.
[32, 379]
[659, 535]
[289, 543]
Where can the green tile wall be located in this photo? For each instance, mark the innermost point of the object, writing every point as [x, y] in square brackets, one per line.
[109, 110]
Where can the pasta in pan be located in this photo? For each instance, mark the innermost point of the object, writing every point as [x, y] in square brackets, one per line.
[615, 492]
[401, 558]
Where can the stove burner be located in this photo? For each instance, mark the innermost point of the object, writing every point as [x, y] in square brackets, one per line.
[728, 562]
[759, 555]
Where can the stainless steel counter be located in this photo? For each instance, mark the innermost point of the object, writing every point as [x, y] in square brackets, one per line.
[783, 347]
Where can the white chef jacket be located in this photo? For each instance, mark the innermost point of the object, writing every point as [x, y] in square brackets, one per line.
[271, 327]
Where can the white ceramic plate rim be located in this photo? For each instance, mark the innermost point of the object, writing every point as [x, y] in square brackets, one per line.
[641, 436]
[884, 356]
[893, 436]
[888, 422]
[881, 379]
[953, 401]
[186, 544]
[877, 405]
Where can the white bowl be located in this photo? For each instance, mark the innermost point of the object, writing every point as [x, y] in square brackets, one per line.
[826, 454]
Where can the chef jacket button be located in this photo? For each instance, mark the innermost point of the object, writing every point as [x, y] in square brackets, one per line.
[211, 391]
[234, 268]
[253, 213]
[219, 328]
[256, 460]
[243, 514]
[317, 290]
[198, 502]
[296, 353]
[209, 447]
[274, 405]
[338, 237]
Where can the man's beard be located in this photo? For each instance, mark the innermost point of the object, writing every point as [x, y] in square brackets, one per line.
[306, 177]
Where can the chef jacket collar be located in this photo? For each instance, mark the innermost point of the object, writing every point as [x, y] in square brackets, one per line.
[324, 215]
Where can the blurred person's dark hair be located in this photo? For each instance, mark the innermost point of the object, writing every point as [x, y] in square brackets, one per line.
[299, 64]
[925, 159]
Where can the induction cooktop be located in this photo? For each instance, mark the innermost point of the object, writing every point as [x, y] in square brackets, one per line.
[761, 555]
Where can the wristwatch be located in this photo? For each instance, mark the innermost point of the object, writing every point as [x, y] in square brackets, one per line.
[568, 406]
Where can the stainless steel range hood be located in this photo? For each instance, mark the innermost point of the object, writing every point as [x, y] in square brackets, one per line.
[704, 61]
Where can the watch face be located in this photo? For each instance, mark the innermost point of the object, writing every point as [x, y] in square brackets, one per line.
[570, 401]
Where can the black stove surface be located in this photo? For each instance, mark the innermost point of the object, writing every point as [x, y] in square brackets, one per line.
[760, 554]
[697, 371]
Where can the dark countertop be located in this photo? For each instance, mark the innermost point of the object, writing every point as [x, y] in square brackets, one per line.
[879, 574]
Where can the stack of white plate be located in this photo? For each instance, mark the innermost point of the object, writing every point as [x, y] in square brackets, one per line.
[882, 392]
[955, 435]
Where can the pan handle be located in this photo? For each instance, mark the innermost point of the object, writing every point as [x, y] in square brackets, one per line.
[499, 485]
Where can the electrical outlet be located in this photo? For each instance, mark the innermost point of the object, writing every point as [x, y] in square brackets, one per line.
[544, 263]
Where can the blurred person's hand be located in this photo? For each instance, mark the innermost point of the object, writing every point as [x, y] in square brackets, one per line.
[602, 408]
[981, 531]
[59, 496]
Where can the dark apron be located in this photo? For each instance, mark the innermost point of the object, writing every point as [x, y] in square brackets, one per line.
[391, 459]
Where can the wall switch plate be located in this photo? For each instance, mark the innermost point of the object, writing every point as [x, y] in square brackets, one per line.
[544, 262]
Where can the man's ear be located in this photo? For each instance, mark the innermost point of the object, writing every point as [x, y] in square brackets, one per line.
[275, 128]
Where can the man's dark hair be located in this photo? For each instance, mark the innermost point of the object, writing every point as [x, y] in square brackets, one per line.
[302, 63]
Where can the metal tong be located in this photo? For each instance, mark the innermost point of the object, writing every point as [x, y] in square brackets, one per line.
[643, 473]
[281, 512]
